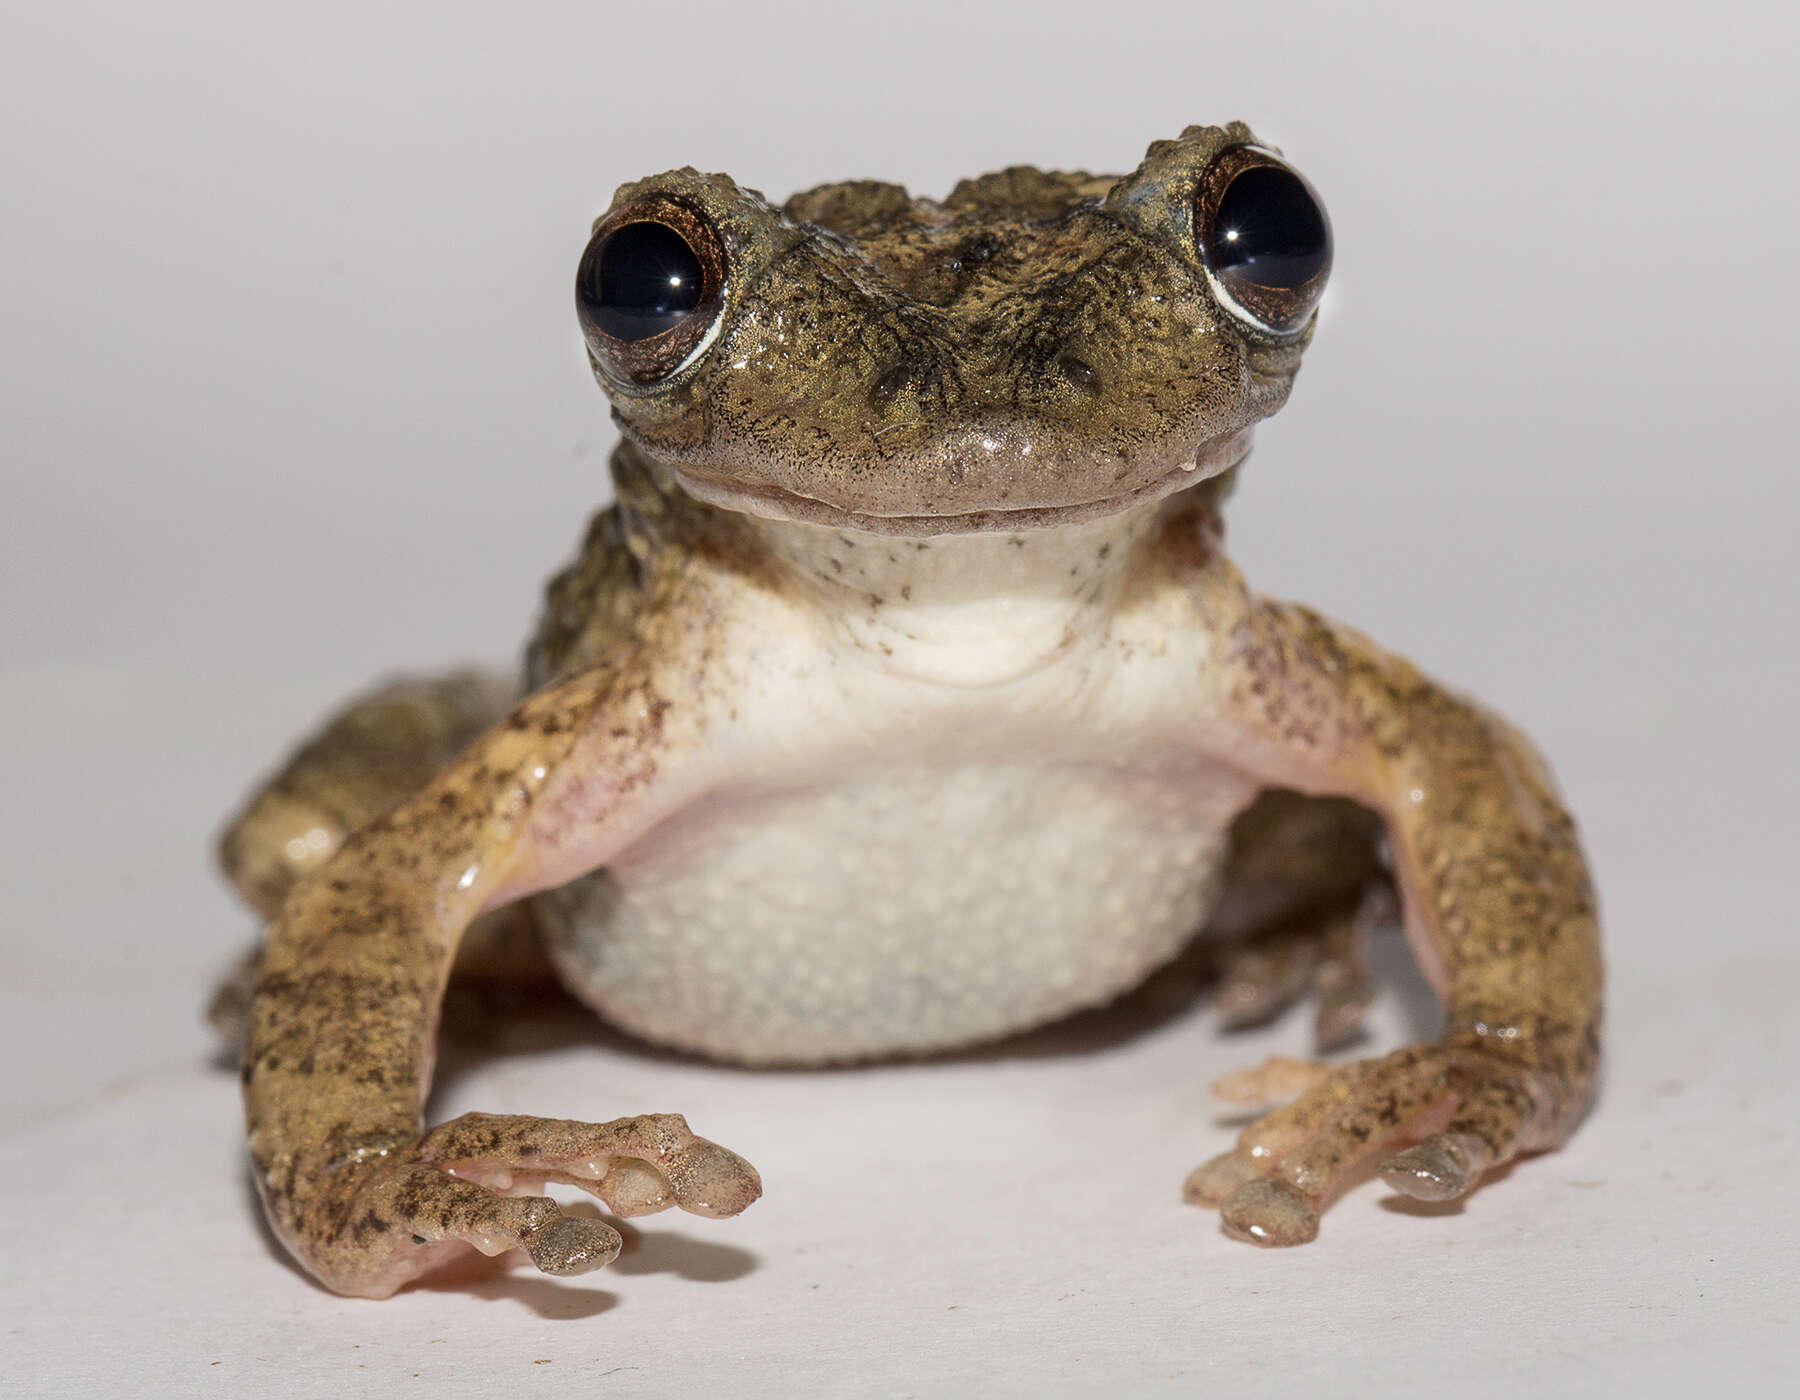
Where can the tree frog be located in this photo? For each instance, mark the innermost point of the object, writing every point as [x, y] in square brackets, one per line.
[906, 699]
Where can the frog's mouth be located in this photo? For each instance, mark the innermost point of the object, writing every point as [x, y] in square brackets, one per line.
[776, 502]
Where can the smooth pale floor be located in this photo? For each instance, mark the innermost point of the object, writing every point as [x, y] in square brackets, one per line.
[293, 395]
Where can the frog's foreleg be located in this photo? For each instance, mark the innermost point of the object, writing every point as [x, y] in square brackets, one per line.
[1303, 889]
[346, 1008]
[1499, 908]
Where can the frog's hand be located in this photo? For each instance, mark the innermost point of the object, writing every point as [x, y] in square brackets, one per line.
[1499, 910]
[462, 1185]
[345, 1010]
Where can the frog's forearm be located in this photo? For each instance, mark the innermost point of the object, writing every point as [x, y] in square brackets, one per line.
[1499, 902]
[345, 1012]
[342, 1025]
[1497, 883]
[1499, 909]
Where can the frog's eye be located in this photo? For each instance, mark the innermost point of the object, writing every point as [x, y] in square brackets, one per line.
[1263, 239]
[648, 289]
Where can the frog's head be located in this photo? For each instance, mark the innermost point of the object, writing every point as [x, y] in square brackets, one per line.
[1036, 348]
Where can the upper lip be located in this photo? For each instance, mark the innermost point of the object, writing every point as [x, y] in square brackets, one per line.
[1225, 451]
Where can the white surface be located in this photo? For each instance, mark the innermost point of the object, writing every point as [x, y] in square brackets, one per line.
[293, 395]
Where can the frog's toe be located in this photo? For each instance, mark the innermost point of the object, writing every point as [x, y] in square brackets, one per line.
[1322, 951]
[1342, 987]
[1262, 977]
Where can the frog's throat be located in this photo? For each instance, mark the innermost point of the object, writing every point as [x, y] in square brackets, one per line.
[1215, 457]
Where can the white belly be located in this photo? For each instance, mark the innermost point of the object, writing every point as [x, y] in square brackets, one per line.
[913, 910]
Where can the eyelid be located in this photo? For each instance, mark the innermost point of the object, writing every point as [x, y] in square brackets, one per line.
[655, 359]
[1278, 313]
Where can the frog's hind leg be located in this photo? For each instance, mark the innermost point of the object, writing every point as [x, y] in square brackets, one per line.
[379, 749]
[375, 752]
[1305, 885]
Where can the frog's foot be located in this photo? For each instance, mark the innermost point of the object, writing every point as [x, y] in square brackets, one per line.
[1463, 1109]
[229, 1010]
[465, 1184]
[1322, 952]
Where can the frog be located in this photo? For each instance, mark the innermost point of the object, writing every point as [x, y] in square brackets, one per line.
[904, 699]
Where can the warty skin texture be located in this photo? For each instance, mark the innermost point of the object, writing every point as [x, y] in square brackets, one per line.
[934, 511]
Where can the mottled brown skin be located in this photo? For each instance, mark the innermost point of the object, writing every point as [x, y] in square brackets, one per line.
[1031, 342]
[1036, 349]
[1499, 906]
[353, 973]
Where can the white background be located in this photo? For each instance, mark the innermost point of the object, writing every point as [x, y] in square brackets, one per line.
[293, 396]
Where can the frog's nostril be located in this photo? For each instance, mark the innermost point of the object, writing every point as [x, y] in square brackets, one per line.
[975, 252]
[1079, 373]
[892, 382]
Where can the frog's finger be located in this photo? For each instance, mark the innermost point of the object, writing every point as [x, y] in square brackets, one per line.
[464, 1185]
[636, 1165]
[1385, 1100]
[1261, 1144]
[1272, 1187]
[1487, 1129]
[435, 1209]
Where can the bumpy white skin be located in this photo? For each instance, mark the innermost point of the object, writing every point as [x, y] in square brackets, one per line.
[962, 810]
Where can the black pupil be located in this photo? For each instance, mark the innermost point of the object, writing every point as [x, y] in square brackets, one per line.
[1269, 230]
[640, 282]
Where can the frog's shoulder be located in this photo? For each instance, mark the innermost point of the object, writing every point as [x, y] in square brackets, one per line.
[654, 550]
[597, 600]
[591, 604]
